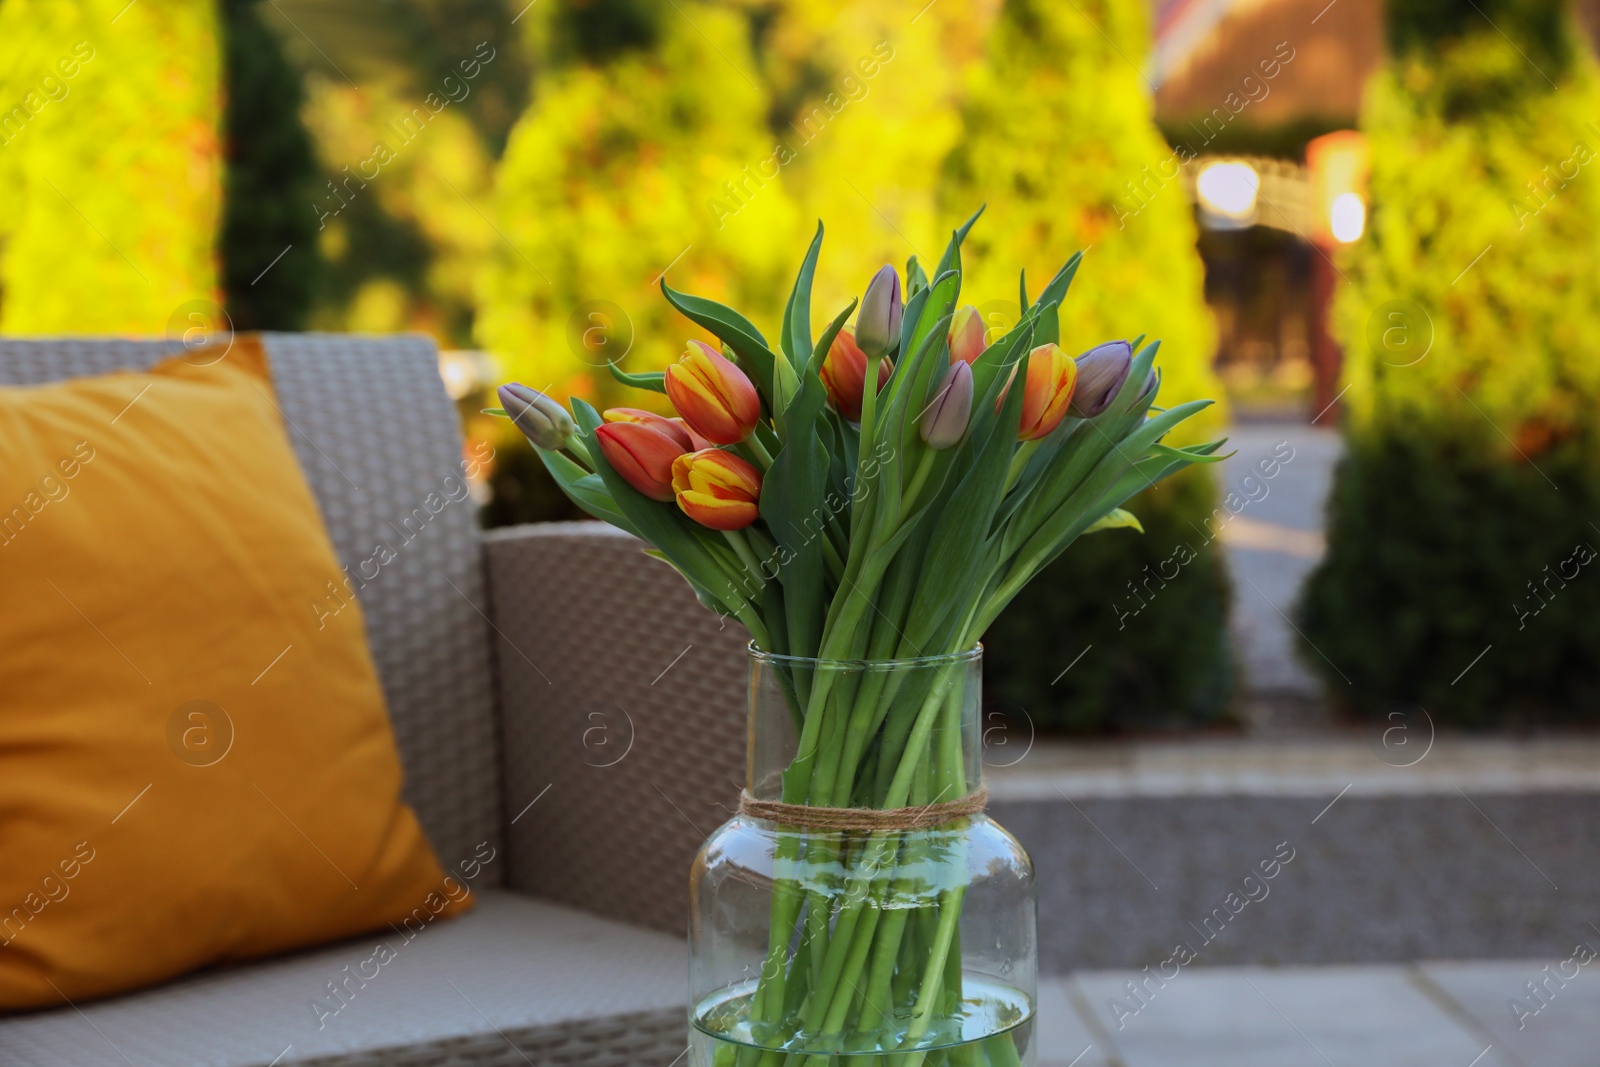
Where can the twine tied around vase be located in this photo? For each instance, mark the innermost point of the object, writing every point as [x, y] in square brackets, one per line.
[863, 820]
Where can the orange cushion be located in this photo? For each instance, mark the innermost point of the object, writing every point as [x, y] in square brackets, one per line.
[196, 764]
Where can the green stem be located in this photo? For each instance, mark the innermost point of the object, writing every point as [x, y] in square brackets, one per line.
[758, 452]
[1019, 461]
[908, 499]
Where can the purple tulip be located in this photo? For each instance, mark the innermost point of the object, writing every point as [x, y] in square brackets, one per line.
[541, 419]
[1101, 372]
[878, 321]
[944, 422]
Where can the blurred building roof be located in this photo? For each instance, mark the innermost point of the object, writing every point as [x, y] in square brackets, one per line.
[1206, 48]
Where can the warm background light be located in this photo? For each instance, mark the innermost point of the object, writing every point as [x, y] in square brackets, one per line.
[1227, 191]
[1347, 217]
[1337, 165]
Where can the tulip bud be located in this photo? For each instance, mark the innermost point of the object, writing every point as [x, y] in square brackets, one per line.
[1101, 372]
[717, 489]
[944, 421]
[844, 374]
[967, 335]
[541, 419]
[1151, 382]
[878, 321]
[1047, 392]
[673, 428]
[713, 396]
[643, 456]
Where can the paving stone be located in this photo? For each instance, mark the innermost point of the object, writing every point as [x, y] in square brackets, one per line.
[1062, 1038]
[1261, 1017]
[1563, 1032]
[1268, 576]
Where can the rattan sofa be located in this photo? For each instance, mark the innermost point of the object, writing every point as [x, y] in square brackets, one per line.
[562, 705]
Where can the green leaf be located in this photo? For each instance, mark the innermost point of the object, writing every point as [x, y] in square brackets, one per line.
[655, 381]
[951, 260]
[794, 494]
[795, 339]
[1115, 519]
[1022, 293]
[733, 330]
[494, 411]
[1048, 330]
[586, 490]
[964, 520]
[1056, 291]
[916, 278]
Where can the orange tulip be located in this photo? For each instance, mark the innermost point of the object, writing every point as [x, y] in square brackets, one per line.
[642, 454]
[967, 335]
[1047, 393]
[844, 374]
[673, 428]
[717, 489]
[713, 396]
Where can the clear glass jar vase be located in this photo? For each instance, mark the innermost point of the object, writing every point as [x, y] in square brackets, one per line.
[900, 931]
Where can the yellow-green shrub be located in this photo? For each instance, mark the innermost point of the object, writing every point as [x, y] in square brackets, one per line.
[613, 176]
[1468, 321]
[1058, 133]
[110, 176]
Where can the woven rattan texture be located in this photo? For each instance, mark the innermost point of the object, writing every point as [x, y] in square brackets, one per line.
[376, 435]
[623, 720]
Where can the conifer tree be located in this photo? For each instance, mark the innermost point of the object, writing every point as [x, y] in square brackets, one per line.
[269, 183]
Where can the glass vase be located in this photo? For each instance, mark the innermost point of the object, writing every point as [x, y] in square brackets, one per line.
[900, 930]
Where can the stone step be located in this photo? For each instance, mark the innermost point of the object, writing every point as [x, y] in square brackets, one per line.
[1336, 850]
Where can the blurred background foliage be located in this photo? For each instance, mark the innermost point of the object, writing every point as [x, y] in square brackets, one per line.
[1051, 161]
[270, 174]
[1472, 472]
[81, 98]
[518, 178]
[606, 187]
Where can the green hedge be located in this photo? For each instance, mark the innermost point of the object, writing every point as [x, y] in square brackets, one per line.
[1456, 576]
[1155, 657]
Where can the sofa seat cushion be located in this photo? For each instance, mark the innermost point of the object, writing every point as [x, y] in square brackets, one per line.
[514, 981]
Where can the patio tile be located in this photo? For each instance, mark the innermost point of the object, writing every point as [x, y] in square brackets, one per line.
[1565, 1032]
[1261, 1017]
[1062, 1038]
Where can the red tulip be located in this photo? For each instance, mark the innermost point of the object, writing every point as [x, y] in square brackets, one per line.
[673, 428]
[1047, 393]
[717, 489]
[844, 374]
[713, 396]
[967, 335]
[642, 454]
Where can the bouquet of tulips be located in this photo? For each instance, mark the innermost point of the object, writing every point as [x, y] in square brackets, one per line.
[875, 493]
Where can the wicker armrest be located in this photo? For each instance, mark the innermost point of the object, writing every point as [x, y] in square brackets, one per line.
[622, 718]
